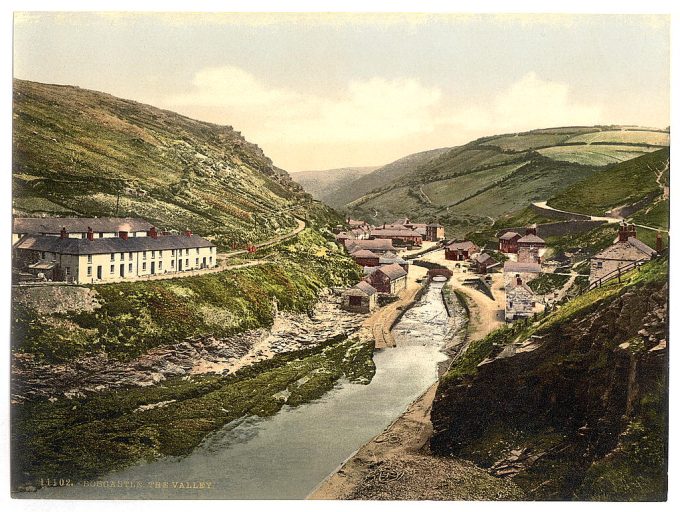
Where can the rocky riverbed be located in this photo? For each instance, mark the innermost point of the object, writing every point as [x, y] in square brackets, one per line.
[34, 379]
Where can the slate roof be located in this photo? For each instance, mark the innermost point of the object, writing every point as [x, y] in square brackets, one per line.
[373, 245]
[484, 258]
[531, 239]
[79, 246]
[509, 235]
[386, 260]
[364, 253]
[53, 225]
[393, 271]
[465, 245]
[630, 250]
[366, 288]
[395, 232]
[515, 266]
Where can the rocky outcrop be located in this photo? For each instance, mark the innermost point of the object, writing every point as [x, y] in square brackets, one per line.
[548, 410]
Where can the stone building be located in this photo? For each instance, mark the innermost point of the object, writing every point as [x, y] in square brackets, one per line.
[434, 232]
[366, 258]
[388, 279]
[626, 251]
[527, 271]
[519, 300]
[483, 262]
[460, 251]
[400, 237]
[531, 247]
[507, 242]
[109, 259]
[361, 298]
[377, 246]
[390, 257]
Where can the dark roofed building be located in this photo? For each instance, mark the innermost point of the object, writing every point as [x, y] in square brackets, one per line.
[388, 279]
[366, 258]
[376, 246]
[78, 227]
[482, 262]
[434, 232]
[400, 236]
[460, 250]
[507, 242]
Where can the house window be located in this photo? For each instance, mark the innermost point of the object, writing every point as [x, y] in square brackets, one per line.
[112, 270]
[196, 261]
[599, 264]
[130, 255]
[153, 254]
[42, 255]
[160, 265]
[196, 250]
[122, 256]
[130, 267]
[101, 235]
[172, 252]
[160, 254]
[144, 266]
[113, 257]
[210, 260]
[67, 270]
[186, 262]
[89, 258]
[144, 255]
[172, 263]
[89, 271]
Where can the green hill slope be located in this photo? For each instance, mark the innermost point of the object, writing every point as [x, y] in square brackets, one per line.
[323, 185]
[378, 178]
[624, 184]
[469, 186]
[83, 153]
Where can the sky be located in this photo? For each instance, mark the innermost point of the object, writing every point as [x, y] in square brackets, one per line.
[323, 91]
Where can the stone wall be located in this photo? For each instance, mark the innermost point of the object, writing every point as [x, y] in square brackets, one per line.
[49, 299]
[554, 214]
[558, 228]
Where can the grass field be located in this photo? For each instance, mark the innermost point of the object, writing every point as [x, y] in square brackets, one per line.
[524, 142]
[594, 155]
[625, 136]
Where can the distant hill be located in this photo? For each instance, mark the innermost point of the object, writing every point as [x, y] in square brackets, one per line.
[381, 176]
[86, 153]
[472, 185]
[323, 185]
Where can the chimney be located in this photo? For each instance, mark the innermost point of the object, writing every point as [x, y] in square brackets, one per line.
[187, 233]
[348, 219]
[384, 225]
[623, 233]
[659, 242]
[152, 232]
[123, 235]
[64, 233]
[519, 280]
[531, 230]
[632, 231]
[90, 234]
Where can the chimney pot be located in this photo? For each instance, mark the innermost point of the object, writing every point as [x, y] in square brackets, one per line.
[64, 233]
[152, 232]
[123, 235]
[187, 233]
[90, 233]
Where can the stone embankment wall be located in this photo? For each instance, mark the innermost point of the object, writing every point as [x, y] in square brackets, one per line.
[568, 227]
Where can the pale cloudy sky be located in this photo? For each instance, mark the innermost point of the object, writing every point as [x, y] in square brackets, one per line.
[325, 91]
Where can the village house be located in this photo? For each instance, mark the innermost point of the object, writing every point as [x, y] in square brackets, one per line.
[366, 258]
[519, 300]
[507, 242]
[481, 263]
[390, 257]
[400, 237]
[527, 271]
[388, 279]
[79, 227]
[531, 247]
[460, 251]
[627, 250]
[434, 232]
[377, 246]
[108, 259]
[360, 298]
[343, 237]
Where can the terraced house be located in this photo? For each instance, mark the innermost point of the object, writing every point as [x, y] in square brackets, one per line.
[94, 259]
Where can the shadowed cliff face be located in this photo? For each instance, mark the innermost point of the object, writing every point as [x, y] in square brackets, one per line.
[578, 411]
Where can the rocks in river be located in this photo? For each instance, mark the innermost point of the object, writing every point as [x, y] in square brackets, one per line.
[32, 379]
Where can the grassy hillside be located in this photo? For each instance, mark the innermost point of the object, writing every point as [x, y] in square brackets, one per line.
[323, 185]
[618, 185]
[469, 186]
[385, 174]
[83, 153]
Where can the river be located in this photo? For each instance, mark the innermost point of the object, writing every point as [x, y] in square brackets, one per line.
[287, 455]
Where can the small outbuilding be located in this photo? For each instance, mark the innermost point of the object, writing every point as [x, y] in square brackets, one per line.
[360, 298]
[507, 242]
[519, 300]
[388, 279]
[483, 262]
[366, 258]
[460, 251]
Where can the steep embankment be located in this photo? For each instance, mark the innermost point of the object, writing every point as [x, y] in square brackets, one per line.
[84, 153]
[573, 407]
[324, 185]
[467, 186]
